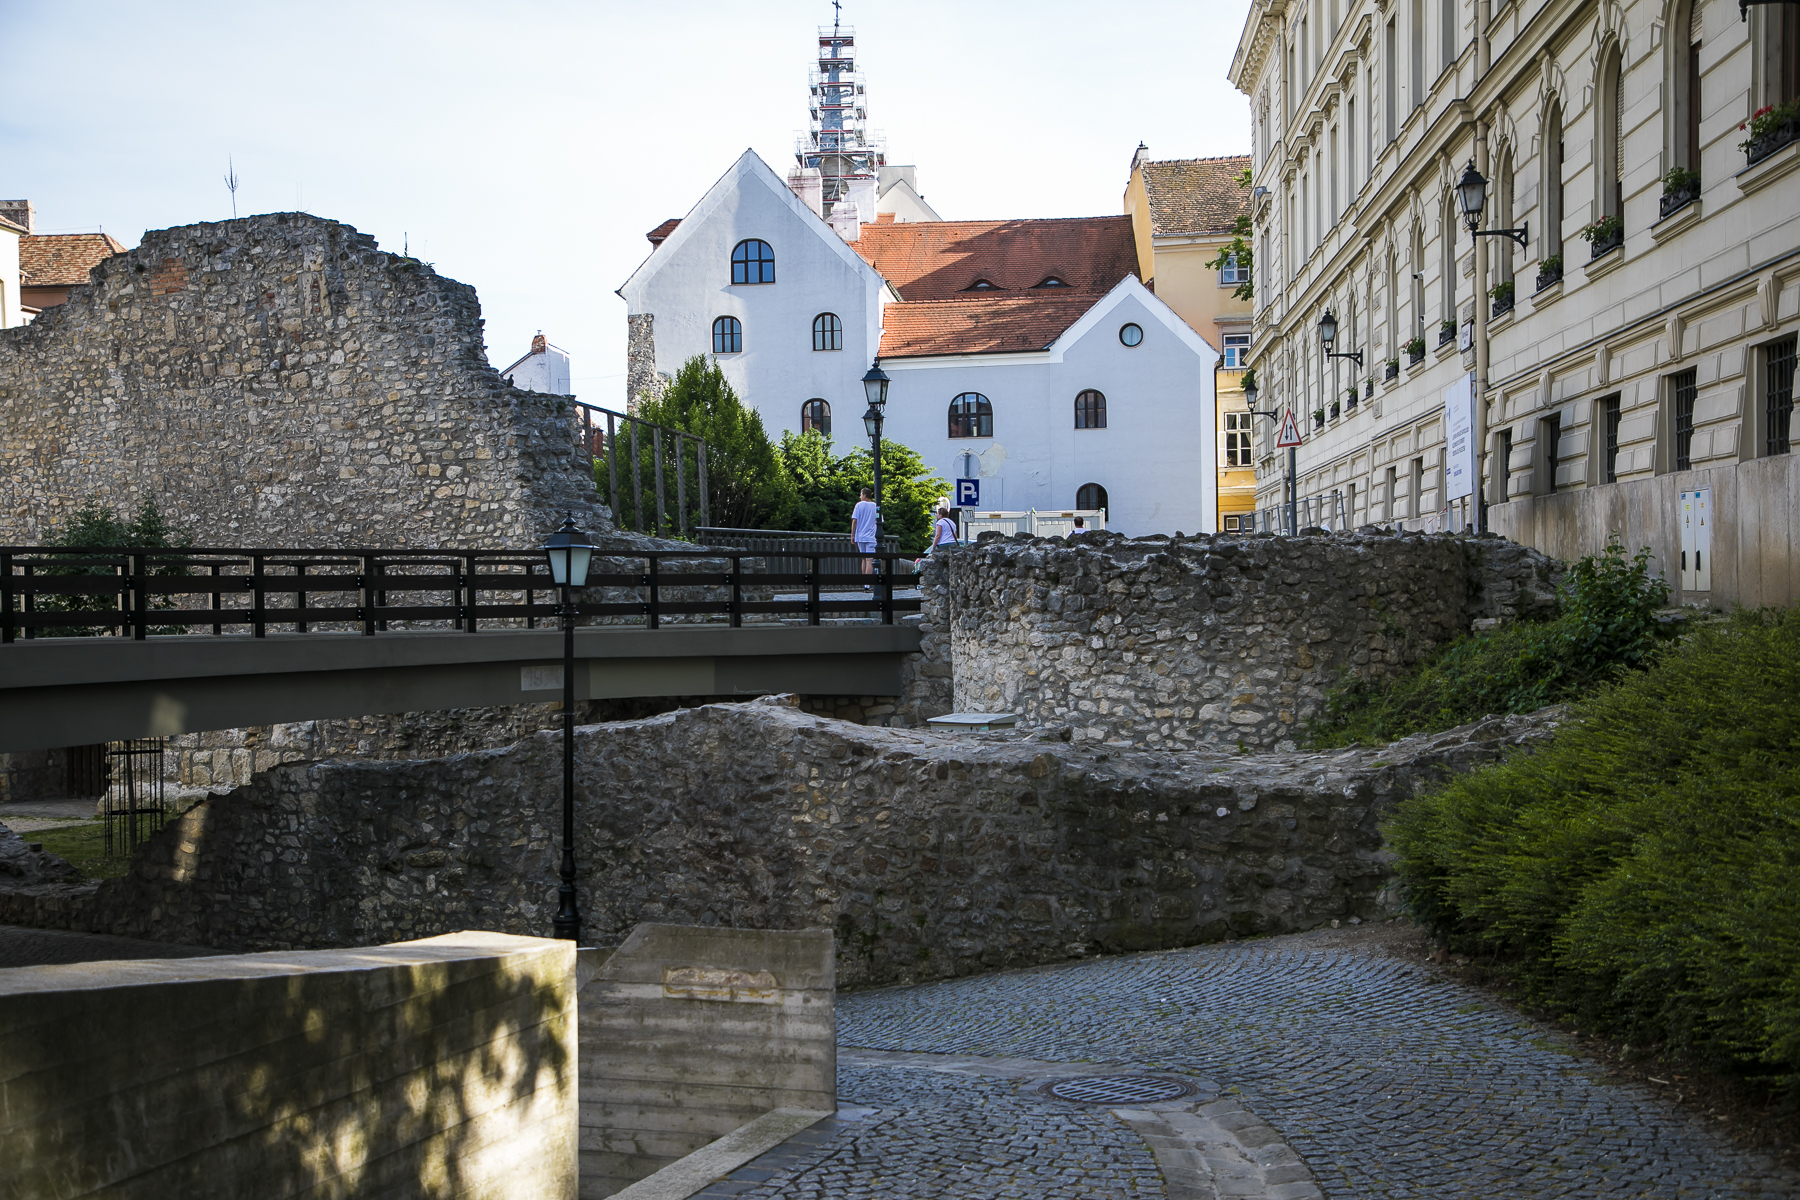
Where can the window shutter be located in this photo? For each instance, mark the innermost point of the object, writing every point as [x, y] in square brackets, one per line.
[1618, 129]
[1694, 24]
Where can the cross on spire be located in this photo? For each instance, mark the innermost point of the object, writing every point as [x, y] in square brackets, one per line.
[837, 13]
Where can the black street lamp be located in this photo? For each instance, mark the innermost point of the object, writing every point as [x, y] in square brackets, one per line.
[1471, 198]
[1250, 394]
[875, 387]
[1328, 337]
[569, 552]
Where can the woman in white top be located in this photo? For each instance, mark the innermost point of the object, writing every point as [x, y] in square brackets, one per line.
[943, 533]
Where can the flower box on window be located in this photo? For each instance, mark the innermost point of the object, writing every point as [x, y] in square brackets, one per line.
[1549, 271]
[1446, 333]
[1392, 371]
[1603, 236]
[1770, 128]
[1502, 295]
[1681, 187]
[1415, 351]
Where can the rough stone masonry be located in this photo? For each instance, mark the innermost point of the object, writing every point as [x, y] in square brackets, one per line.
[931, 856]
[280, 381]
[1215, 640]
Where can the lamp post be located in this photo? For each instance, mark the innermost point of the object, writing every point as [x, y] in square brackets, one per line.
[1471, 198]
[875, 387]
[1250, 394]
[569, 552]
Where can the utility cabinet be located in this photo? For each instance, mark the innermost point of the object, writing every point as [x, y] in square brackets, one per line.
[1696, 540]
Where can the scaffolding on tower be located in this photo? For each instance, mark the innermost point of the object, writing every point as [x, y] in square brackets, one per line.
[838, 145]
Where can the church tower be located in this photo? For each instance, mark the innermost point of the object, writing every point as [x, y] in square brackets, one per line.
[837, 145]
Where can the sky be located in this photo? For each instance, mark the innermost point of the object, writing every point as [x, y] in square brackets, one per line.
[526, 147]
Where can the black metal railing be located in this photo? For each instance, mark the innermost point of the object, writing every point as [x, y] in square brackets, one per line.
[644, 454]
[137, 593]
[790, 550]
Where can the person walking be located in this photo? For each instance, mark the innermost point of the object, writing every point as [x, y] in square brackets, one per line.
[863, 521]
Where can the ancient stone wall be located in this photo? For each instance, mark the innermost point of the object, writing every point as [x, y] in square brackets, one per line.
[1210, 641]
[931, 855]
[280, 381]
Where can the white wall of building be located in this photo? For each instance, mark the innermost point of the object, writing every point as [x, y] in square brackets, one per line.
[11, 312]
[542, 371]
[686, 285]
[1154, 457]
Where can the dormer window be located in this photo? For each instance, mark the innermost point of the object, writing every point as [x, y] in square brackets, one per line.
[1053, 281]
[981, 285]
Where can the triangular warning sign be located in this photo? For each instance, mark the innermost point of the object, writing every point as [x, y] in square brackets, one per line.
[1290, 433]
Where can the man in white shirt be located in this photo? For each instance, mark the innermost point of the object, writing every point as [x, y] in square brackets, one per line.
[863, 519]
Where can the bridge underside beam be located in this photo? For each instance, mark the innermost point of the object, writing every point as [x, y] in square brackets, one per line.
[78, 691]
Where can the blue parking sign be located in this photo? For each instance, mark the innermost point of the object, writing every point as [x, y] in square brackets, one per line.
[968, 493]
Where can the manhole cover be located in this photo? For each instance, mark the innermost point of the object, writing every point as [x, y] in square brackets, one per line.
[1119, 1089]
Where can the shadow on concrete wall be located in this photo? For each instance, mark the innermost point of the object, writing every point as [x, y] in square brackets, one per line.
[401, 1070]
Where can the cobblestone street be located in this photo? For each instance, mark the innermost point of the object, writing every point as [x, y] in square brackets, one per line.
[1321, 1065]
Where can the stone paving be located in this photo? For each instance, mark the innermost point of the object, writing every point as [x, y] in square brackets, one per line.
[1324, 1065]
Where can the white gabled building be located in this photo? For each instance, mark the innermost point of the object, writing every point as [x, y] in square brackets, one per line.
[1026, 351]
[1026, 354]
[544, 369]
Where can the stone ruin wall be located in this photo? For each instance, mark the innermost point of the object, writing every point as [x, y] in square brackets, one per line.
[280, 381]
[1211, 641]
[931, 856]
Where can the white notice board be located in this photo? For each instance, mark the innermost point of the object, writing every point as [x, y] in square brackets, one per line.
[1459, 430]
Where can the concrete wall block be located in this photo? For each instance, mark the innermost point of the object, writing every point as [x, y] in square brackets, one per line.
[446, 1065]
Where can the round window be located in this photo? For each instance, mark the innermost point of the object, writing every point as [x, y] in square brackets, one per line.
[1131, 335]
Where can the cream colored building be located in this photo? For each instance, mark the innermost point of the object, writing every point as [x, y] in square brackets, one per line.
[1183, 212]
[1637, 384]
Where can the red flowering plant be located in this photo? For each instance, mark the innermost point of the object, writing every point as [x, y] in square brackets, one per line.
[1765, 121]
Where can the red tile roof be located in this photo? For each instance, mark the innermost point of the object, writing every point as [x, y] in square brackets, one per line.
[1196, 195]
[64, 259]
[662, 231]
[985, 324]
[938, 260]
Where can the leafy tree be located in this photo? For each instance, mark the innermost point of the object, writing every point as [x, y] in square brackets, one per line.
[1239, 249]
[826, 487]
[744, 480]
[94, 527]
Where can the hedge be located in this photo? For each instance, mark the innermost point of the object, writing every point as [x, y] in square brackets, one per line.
[1641, 872]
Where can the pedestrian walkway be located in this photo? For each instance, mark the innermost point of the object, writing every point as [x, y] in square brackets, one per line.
[1317, 1064]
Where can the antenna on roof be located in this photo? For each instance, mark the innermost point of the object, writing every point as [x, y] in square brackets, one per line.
[231, 184]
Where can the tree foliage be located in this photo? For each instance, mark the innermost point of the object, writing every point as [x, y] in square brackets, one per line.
[826, 487]
[745, 484]
[1240, 249]
[95, 527]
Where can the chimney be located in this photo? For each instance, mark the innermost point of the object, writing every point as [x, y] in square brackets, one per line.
[661, 233]
[538, 345]
[809, 185]
[1140, 156]
[19, 213]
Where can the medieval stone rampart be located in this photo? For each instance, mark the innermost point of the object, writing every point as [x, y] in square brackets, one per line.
[279, 381]
[1209, 641]
[932, 856]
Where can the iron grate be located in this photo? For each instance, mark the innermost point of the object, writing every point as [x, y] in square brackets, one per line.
[1119, 1089]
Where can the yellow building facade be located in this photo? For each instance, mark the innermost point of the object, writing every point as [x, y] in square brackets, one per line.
[1183, 212]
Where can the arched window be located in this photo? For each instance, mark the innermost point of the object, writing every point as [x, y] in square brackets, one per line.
[1052, 281]
[1552, 243]
[1090, 410]
[816, 414]
[1091, 497]
[752, 262]
[980, 285]
[1684, 78]
[828, 333]
[728, 336]
[971, 416]
[1609, 154]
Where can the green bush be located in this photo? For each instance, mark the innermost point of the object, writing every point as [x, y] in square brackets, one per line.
[1642, 871]
[94, 527]
[1606, 623]
[826, 487]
